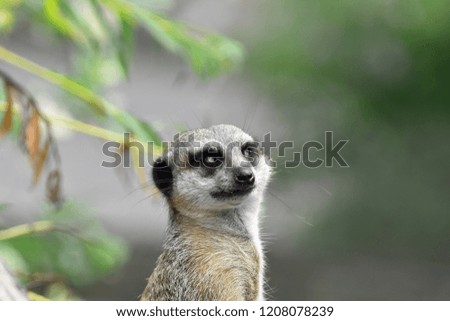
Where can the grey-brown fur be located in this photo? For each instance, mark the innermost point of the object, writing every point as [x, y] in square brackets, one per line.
[212, 250]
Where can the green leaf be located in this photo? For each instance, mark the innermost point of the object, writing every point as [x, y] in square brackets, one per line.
[7, 14]
[126, 46]
[80, 249]
[7, 19]
[209, 54]
[13, 258]
[143, 131]
[60, 292]
[54, 15]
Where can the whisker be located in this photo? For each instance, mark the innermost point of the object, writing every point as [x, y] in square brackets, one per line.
[146, 198]
[202, 124]
[134, 190]
[324, 189]
[293, 212]
[252, 114]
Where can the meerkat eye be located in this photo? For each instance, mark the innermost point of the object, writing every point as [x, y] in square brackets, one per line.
[212, 157]
[250, 150]
[247, 152]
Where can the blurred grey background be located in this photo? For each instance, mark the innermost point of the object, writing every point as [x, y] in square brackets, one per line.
[375, 73]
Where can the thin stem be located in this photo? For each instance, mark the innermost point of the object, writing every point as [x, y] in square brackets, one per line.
[26, 229]
[90, 130]
[55, 78]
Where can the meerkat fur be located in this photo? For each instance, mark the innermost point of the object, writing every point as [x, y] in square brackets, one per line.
[213, 180]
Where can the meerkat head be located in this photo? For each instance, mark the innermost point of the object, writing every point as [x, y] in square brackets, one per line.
[212, 169]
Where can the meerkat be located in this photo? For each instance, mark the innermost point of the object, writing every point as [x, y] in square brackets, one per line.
[213, 180]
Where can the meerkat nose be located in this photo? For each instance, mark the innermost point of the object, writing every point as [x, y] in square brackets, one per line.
[244, 176]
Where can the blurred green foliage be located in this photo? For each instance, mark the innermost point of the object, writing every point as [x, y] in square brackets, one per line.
[75, 247]
[104, 33]
[389, 57]
[376, 73]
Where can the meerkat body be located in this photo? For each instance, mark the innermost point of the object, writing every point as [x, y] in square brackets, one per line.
[213, 180]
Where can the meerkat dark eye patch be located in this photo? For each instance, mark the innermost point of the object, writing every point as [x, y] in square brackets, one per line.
[212, 156]
[209, 157]
[162, 176]
[251, 151]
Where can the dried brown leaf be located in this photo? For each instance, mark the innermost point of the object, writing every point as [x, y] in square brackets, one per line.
[32, 135]
[54, 187]
[7, 118]
[39, 161]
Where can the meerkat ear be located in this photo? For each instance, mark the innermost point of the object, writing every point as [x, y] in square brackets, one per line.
[162, 176]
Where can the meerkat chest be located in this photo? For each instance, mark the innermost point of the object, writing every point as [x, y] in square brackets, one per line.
[228, 265]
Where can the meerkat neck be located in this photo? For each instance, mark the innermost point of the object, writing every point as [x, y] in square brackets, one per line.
[240, 222]
[236, 221]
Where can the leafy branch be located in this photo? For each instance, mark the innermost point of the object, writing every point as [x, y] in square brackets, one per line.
[99, 104]
[38, 143]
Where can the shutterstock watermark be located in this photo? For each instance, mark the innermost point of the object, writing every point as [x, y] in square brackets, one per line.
[193, 153]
